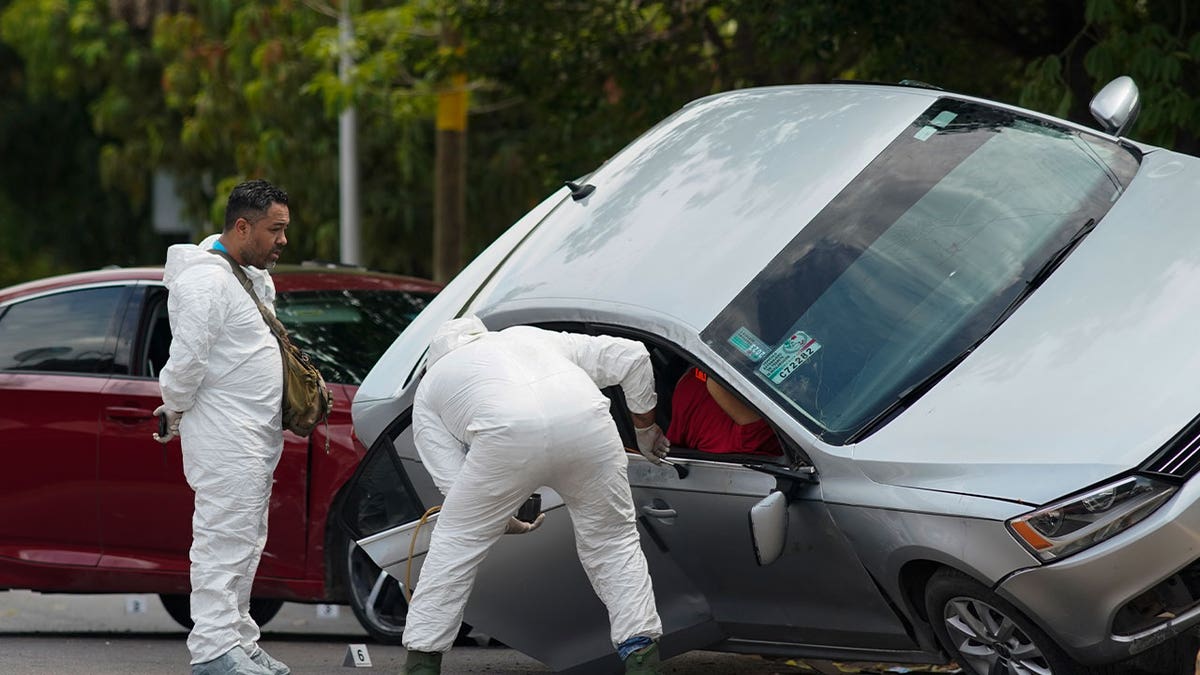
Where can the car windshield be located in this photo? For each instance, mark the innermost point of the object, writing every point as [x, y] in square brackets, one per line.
[915, 260]
[345, 332]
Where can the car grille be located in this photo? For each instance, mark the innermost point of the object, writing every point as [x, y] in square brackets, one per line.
[1180, 457]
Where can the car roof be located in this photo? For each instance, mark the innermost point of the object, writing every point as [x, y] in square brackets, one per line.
[288, 278]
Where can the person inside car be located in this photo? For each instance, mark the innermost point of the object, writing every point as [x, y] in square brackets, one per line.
[706, 417]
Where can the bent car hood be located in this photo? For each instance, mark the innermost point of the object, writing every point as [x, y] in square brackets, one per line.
[1092, 374]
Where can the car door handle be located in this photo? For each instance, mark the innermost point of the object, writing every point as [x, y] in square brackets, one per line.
[128, 413]
[654, 512]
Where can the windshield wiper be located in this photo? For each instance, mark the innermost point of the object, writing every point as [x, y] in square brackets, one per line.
[910, 394]
[1043, 272]
[915, 391]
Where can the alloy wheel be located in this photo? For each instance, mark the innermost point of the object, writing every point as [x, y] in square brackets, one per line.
[990, 641]
[377, 599]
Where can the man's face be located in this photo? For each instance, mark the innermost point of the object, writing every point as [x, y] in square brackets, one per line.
[265, 237]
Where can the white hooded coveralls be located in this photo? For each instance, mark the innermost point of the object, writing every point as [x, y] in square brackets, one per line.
[225, 374]
[526, 403]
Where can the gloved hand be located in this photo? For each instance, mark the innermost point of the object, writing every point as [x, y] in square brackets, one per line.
[521, 527]
[173, 418]
[651, 442]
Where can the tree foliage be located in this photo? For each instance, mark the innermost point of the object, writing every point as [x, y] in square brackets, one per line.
[222, 90]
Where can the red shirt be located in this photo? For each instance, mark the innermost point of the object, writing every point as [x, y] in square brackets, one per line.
[699, 423]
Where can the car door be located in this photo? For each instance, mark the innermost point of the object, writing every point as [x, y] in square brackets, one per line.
[817, 593]
[531, 592]
[146, 503]
[56, 357]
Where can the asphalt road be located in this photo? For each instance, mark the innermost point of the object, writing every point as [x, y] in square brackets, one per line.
[133, 635]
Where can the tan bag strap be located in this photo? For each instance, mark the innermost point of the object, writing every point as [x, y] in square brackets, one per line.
[273, 323]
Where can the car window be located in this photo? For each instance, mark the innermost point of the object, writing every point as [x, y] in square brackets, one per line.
[156, 348]
[69, 332]
[915, 260]
[345, 332]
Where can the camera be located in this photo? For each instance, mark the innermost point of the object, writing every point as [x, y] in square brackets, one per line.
[530, 509]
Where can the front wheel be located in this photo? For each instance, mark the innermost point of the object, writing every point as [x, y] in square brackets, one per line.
[988, 636]
[179, 606]
[377, 599]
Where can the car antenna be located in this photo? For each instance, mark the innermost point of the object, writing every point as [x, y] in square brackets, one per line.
[578, 191]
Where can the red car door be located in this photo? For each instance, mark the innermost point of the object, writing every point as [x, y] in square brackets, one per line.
[56, 353]
[145, 519]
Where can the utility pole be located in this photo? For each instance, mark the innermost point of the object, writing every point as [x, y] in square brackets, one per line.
[450, 167]
[347, 150]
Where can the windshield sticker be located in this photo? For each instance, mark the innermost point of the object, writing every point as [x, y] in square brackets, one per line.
[787, 357]
[749, 344]
[943, 118]
[925, 132]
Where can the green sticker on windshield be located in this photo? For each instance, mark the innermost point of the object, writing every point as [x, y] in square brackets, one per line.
[943, 118]
[748, 344]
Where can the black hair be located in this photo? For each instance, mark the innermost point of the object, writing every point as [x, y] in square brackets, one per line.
[250, 200]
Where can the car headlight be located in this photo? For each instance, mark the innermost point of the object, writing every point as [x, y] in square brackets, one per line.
[1078, 522]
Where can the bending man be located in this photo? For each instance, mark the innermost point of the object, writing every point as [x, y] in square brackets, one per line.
[526, 403]
[222, 391]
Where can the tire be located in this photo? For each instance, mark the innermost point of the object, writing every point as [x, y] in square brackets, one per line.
[179, 606]
[375, 597]
[986, 635]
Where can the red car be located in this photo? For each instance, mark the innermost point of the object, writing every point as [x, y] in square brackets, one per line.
[90, 503]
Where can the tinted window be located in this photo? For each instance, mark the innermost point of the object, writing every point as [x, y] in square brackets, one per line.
[915, 261]
[345, 332]
[66, 332]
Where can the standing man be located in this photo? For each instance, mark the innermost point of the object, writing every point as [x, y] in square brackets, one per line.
[526, 404]
[222, 392]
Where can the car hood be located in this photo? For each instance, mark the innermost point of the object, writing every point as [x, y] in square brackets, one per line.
[1087, 379]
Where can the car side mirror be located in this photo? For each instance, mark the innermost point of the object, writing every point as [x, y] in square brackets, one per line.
[1117, 105]
[768, 527]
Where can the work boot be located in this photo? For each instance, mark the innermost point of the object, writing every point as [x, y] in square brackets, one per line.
[643, 661]
[233, 662]
[423, 663]
[272, 664]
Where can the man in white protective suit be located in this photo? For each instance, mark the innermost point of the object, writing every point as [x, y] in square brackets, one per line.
[222, 392]
[500, 414]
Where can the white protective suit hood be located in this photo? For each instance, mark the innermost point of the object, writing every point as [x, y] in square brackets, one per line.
[454, 334]
[183, 256]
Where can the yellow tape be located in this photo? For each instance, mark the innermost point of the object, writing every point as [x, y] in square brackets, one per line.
[452, 105]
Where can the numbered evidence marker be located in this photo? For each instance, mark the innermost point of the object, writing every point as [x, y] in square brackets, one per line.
[327, 611]
[357, 656]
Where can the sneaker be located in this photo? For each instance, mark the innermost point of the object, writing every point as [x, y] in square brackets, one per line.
[265, 660]
[423, 663]
[643, 661]
[233, 662]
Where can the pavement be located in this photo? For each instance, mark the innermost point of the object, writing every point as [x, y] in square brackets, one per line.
[58, 634]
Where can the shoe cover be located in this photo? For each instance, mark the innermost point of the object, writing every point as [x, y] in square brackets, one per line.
[233, 662]
[262, 658]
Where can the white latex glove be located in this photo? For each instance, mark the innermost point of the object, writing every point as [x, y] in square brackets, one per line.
[173, 418]
[651, 442]
[521, 527]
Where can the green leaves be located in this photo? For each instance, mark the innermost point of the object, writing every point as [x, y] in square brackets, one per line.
[235, 89]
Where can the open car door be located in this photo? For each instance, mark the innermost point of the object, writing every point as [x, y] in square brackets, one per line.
[531, 592]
